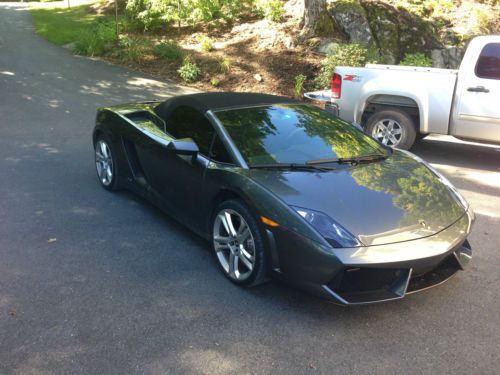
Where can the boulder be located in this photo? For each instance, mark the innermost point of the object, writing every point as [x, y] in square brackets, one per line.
[448, 58]
[350, 18]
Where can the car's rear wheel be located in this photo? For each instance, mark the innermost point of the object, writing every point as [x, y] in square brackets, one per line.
[105, 162]
[392, 127]
[238, 244]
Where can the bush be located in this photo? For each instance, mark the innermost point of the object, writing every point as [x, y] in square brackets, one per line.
[168, 50]
[215, 82]
[206, 44]
[299, 85]
[270, 9]
[189, 71]
[97, 40]
[416, 59]
[345, 55]
[132, 48]
[225, 65]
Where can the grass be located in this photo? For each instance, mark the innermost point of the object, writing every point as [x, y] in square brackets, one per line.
[60, 25]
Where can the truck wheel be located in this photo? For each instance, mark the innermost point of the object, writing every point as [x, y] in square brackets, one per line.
[392, 127]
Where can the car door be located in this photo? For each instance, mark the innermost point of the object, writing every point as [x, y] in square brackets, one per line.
[477, 114]
[177, 181]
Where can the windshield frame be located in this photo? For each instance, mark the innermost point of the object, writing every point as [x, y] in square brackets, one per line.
[241, 158]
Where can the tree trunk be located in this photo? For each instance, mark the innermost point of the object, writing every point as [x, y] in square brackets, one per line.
[312, 12]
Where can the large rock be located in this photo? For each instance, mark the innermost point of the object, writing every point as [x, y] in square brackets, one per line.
[396, 31]
[351, 19]
[448, 58]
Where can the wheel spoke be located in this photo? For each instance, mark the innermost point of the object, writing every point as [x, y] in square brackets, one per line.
[229, 222]
[244, 235]
[393, 139]
[248, 264]
[104, 149]
[221, 243]
[233, 265]
[396, 131]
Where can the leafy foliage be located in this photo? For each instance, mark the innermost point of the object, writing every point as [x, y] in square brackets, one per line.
[168, 50]
[225, 65]
[189, 71]
[206, 44]
[132, 48]
[270, 9]
[299, 86]
[214, 81]
[151, 14]
[416, 59]
[345, 55]
[97, 40]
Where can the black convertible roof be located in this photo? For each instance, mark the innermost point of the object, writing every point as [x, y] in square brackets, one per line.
[218, 100]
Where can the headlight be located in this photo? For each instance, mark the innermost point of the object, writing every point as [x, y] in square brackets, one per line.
[333, 232]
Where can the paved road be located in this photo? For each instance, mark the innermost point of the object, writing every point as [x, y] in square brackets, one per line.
[98, 283]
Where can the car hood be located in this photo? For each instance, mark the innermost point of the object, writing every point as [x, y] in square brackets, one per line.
[394, 200]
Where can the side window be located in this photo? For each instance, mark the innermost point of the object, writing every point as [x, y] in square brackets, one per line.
[219, 152]
[186, 122]
[488, 64]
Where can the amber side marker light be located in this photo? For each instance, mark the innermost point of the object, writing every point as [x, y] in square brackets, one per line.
[269, 222]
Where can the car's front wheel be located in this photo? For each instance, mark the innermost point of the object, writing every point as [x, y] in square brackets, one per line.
[238, 244]
[105, 163]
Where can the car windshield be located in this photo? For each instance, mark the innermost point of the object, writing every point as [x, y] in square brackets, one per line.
[294, 133]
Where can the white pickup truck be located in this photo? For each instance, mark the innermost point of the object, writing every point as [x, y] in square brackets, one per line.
[399, 104]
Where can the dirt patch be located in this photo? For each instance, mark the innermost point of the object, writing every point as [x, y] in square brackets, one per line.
[250, 46]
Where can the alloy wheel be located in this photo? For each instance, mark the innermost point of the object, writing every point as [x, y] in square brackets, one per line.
[388, 131]
[104, 162]
[234, 244]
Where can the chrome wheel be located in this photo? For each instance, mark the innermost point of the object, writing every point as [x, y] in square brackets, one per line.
[104, 162]
[388, 131]
[234, 244]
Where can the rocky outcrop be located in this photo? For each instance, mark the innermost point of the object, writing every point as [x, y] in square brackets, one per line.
[373, 23]
[448, 58]
[352, 20]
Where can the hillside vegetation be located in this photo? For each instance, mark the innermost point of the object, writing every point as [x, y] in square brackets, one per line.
[269, 45]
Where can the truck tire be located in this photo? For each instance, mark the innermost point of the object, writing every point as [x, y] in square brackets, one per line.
[392, 127]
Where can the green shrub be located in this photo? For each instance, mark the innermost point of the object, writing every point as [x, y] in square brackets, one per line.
[345, 55]
[214, 81]
[270, 9]
[299, 85]
[189, 71]
[168, 50]
[132, 48]
[206, 44]
[96, 41]
[225, 65]
[416, 59]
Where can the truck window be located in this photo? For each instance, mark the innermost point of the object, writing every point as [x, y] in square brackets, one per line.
[488, 64]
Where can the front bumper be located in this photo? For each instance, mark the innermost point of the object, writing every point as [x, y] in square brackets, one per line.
[374, 273]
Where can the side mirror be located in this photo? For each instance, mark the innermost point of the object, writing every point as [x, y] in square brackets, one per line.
[183, 147]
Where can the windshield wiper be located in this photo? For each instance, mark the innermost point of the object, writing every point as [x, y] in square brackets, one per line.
[353, 160]
[291, 166]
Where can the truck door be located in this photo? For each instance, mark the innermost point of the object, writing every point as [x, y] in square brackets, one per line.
[477, 111]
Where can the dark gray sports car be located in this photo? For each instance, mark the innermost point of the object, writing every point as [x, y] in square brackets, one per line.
[284, 189]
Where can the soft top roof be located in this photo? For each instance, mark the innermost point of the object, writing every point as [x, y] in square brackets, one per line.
[218, 100]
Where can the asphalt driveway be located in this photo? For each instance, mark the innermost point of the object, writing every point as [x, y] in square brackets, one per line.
[93, 282]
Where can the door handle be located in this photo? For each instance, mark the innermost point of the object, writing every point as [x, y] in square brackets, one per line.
[478, 89]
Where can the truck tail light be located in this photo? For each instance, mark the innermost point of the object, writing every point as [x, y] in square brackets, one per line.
[336, 86]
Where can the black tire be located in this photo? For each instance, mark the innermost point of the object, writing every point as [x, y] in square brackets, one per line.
[258, 274]
[113, 183]
[401, 119]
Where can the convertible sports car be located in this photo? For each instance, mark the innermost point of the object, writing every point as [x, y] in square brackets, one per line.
[284, 189]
